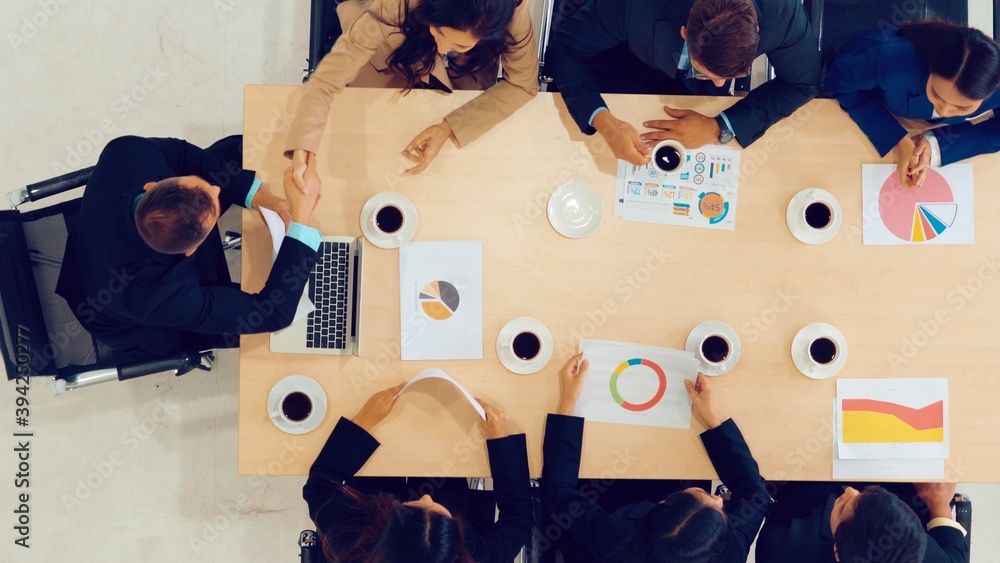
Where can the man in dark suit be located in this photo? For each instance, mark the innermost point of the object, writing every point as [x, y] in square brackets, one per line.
[144, 270]
[679, 47]
[828, 522]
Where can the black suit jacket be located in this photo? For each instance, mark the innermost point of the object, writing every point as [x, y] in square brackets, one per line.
[799, 527]
[138, 300]
[651, 28]
[599, 532]
[349, 448]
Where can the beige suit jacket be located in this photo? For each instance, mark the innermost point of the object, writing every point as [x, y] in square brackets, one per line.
[367, 41]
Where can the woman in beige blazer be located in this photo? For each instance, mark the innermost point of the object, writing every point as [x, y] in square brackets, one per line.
[438, 44]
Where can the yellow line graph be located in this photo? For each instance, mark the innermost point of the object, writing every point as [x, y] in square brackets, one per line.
[864, 427]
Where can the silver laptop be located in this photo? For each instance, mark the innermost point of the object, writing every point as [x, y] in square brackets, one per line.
[334, 285]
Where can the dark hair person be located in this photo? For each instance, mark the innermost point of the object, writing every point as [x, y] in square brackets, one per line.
[688, 526]
[438, 44]
[395, 521]
[935, 71]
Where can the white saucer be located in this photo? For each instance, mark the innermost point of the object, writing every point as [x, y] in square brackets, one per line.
[714, 327]
[310, 387]
[797, 223]
[575, 210]
[800, 350]
[377, 237]
[506, 336]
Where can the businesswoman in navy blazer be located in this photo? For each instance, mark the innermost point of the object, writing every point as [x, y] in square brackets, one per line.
[363, 520]
[936, 71]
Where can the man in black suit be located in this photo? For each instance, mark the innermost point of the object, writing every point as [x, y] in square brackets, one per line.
[680, 47]
[828, 522]
[144, 270]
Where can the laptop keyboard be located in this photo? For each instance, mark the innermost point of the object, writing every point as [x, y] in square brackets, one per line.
[327, 326]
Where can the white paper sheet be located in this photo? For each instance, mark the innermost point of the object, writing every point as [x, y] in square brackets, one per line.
[892, 418]
[637, 395]
[883, 469]
[941, 211]
[441, 300]
[435, 373]
[277, 228]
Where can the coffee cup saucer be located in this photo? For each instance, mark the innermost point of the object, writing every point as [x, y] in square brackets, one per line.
[510, 361]
[714, 327]
[795, 216]
[377, 237]
[575, 210]
[306, 385]
[800, 350]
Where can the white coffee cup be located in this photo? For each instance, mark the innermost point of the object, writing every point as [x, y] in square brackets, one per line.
[819, 211]
[389, 219]
[297, 411]
[822, 348]
[728, 352]
[670, 147]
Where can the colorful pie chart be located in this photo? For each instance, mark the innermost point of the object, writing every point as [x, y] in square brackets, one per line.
[917, 214]
[638, 407]
[439, 300]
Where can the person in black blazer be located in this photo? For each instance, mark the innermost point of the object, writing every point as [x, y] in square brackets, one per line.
[935, 71]
[829, 522]
[687, 526]
[393, 521]
[144, 270]
[663, 46]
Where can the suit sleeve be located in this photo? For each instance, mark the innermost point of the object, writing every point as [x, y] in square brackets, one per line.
[966, 140]
[797, 66]
[501, 100]
[737, 468]
[345, 452]
[946, 545]
[224, 310]
[852, 80]
[596, 27]
[512, 489]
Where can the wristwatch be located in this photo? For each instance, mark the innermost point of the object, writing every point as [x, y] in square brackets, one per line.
[725, 134]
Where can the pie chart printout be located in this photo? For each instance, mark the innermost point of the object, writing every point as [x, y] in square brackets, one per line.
[917, 214]
[439, 300]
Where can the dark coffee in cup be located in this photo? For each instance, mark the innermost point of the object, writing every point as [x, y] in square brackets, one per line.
[389, 219]
[526, 346]
[296, 406]
[818, 215]
[715, 349]
[667, 158]
[823, 350]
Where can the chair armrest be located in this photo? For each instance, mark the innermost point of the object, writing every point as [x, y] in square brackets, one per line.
[58, 185]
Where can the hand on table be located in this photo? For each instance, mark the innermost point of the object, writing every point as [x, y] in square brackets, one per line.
[691, 128]
[264, 198]
[300, 162]
[571, 378]
[378, 407]
[937, 497]
[495, 425]
[623, 139]
[302, 202]
[425, 147]
[913, 156]
[701, 401]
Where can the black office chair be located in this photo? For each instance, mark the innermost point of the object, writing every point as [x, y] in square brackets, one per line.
[324, 29]
[40, 335]
[836, 21]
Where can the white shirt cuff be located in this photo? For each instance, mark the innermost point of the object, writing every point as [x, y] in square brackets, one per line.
[935, 148]
[946, 522]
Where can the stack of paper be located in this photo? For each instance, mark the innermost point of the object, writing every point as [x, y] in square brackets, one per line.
[636, 384]
[701, 194]
[891, 429]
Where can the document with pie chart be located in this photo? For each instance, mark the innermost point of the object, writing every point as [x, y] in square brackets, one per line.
[636, 384]
[941, 211]
[441, 300]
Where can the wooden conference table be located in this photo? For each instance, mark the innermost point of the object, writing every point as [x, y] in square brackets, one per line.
[904, 311]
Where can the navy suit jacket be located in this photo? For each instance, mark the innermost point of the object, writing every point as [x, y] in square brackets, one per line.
[140, 301]
[878, 74]
[799, 527]
[349, 448]
[600, 533]
[652, 30]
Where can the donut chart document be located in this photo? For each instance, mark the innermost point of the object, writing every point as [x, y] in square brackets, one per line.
[941, 211]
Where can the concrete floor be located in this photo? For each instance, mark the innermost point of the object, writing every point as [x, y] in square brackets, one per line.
[146, 470]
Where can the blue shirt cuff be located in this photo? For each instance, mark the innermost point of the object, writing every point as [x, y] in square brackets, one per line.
[726, 119]
[306, 235]
[257, 183]
[593, 115]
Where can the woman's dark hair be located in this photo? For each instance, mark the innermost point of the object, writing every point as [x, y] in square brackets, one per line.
[962, 54]
[386, 531]
[881, 529]
[681, 529]
[487, 20]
